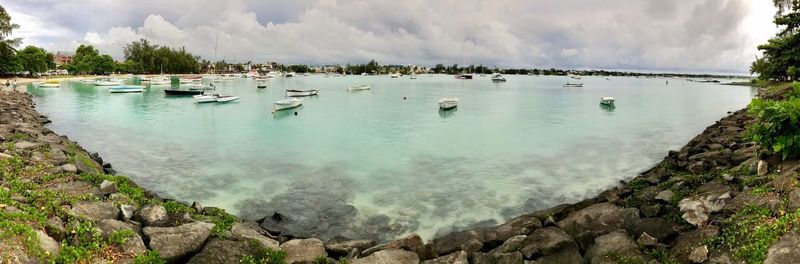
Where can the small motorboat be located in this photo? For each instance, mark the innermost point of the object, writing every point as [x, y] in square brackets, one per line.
[183, 92]
[107, 83]
[287, 103]
[189, 80]
[448, 103]
[358, 87]
[204, 98]
[607, 101]
[496, 78]
[300, 93]
[464, 76]
[51, 84]
[224, 98]
[573, 84]
[261, 83]
[126, 89]
[160, 81]
[289, 74]
[394, 75]
[413, 76]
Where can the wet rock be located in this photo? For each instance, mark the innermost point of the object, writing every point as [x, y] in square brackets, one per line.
[152, 215]
[617, 242]
[510, 245]
[389, 256]
[497, 258]
[646, 240]
[549, 221]
[699, 254]
[411, 243]
[95, 211]
[686, 242]
[340, 246]
[660, 229]
[107, 187]
[55, 228]
[219, 250]
[521, 225]
[300, 250]
[761, 168]
[786, 250]
[69, 168]
[596, 220]
[174, 243]
[250, 230]
[109, 226]
[468, 240]
[548, 241]
[455, 258]
[47, 243]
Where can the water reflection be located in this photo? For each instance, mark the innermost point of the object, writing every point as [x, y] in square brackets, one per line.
[283, 114]
[447, 113]
[608, 108]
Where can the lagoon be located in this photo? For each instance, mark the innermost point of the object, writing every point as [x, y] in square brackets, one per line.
[386, 162]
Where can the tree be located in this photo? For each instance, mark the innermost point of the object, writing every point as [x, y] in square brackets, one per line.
[34, 59]
[85, 60]
[8, 60]
[782, 52]
[151, 58]
[104, 64]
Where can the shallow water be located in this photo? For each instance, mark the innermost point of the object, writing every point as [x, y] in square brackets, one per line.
[404, 166]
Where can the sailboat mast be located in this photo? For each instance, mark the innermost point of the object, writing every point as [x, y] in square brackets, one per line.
[216, 41]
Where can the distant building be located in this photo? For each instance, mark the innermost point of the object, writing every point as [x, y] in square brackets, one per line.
[63, 57]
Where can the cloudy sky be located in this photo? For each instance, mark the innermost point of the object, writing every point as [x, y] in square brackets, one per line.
[661, 35]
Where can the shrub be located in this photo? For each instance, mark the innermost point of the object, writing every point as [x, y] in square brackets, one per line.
[778, 128]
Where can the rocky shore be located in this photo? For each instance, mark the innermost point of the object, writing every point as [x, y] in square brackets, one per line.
[719, 199]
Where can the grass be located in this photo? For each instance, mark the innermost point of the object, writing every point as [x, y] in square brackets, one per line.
[149, 257]
[121, 236]
[751, 231]
[264, 255]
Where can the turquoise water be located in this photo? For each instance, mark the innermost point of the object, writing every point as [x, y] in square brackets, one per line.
[405, 167]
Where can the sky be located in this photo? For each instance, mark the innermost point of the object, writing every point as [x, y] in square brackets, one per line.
[718, 36]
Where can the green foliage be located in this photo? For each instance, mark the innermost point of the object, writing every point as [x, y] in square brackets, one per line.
[34, 59]
[177, 207]
[264, 255]
[750, 232]
[326, 260]
[124, 186]
[781, 60]
[778, 128]
[144, 57]
[8, 58]
[121, 236]
[620, 259]
[149, 257]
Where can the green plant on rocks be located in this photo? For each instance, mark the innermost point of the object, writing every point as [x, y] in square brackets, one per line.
[149, 257]
[778, 128]
[121, 236]
[264, 255]
[751, 231]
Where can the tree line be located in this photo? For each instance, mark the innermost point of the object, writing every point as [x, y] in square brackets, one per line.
[781, 59]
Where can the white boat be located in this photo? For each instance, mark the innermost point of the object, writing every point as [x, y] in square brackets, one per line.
[126, 89]
[573, 84]
[363, 74]
[261, 83]
[204, 98]
[289, 74]
[160, 81]
[576, 77]
[107, 83]
[448, 103]
[607, 101]
[300, 93]
[394, 75]
[498, 78]
[224, 98]
[413, 76]
[305, 74]
[358, 87]
[287, 103]
[50, 84]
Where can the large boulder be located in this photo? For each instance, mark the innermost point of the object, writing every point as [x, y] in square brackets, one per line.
[303, 250]
[76, 188]
[249, 230]
[47, 243]
[656, 227]
[411, 243]
[109, 226]
[340, 246]
[219, 250]
[587, 224]
[710, 198]
[786, 250]
[468, 240]
[553, 244]
[174, 243]
[618, 244]
[95, 211]
[389, 256]
[455, 258]
[152, 215]
[511, 245]
[521, 225]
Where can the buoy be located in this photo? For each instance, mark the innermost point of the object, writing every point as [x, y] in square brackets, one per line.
[404, 97]
[295, 113]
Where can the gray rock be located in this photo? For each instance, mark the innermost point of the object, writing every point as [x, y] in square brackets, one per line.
[411, 243]
[300, 250]
[745, 199]
[467, 240]
[786, 250]
[511, 245]
[521, 225]
[107, 187]
[88, 166]
[650, 210]
[455, 258]
[174, 243]
[647, 240]
[389, 256]
[699, 254]
[76, 188]
[596, 220]
[497, 258]
[5, 156]
[152, 215]
[69, 168]
[25, 145]
[665, 195]
[55, 228]
[686, 242]
[197, 207]
[109, 226]
[761, 168]
[126, 211]
[248, 230]
[219, 250]
[343, 246]
[546, 241]
[134, 245]
[47, 243]
[711, 198]
[657, 227]
[794, 200]
[95, 211]
[617, 242]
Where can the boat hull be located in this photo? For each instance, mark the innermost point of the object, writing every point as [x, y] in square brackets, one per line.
[182, 92]
[126, 90]
[284, 105]
[290, 93]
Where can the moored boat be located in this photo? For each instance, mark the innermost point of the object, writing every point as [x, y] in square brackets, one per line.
[107, 82]
[358, 87]
[183, 92]
[50, 84]
[300, 93]
[287, 103]
[126, 89]
[394, 75]
[224, 98]
[498, 78]
[160, 81]
[464, 76]
[607, 101]
[448, 103]
[204, 98]
[573, 84]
